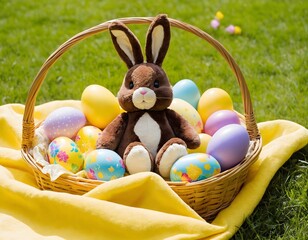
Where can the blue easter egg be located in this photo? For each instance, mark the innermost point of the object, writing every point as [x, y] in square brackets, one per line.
[104, 164]
[194, 167]
[187, 90]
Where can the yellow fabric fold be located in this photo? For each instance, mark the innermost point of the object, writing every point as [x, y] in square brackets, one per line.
[140, 206]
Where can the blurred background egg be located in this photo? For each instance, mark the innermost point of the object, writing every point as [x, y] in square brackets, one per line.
[99, 105]
[219, 119]
[188, 112]
[229, 145]
[212, 100]
[86, 138]
[104, 164]
[187, 90]
[204, 140]
[64, 151]
[194, 167]
[64, 121]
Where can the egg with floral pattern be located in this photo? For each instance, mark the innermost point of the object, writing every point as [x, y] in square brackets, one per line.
[64, 151]
[194, 167]
[104, 164]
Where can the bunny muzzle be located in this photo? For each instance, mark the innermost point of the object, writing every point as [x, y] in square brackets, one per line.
[144, 98]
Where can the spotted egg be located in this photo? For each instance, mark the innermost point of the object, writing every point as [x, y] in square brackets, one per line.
[194, 167]
[64, 122]
[104, 164]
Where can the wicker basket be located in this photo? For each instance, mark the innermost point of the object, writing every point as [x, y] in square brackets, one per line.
[206, 197]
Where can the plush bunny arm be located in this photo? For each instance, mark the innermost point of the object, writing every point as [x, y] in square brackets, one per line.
[112, 134]
[182, 129]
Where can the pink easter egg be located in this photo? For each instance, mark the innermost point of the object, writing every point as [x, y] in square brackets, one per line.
[220, 119]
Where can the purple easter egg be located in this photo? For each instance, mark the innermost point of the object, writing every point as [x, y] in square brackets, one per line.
[215, 23]
[229, 145]
[220, 119]
[64, 122]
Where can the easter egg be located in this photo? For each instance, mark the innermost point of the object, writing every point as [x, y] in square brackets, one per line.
[212, 100]
[204, 140]
[104, 164]
[64, 151]
[99, 105]
[86, 138]
[188, 112]
[187, 90]
[219, 119]
[194, 167]
[64, 121]
[229, 145]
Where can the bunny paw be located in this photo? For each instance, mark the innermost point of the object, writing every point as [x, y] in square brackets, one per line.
[169, 157]
[138, 160]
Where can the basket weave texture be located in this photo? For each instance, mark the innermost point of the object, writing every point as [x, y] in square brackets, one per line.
[206, 197]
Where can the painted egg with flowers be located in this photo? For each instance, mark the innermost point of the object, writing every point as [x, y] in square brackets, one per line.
[64, 151]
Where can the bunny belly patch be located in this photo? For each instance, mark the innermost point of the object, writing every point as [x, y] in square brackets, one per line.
[149, 133]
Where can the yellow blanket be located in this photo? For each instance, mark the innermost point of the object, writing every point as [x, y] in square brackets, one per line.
[141, 206]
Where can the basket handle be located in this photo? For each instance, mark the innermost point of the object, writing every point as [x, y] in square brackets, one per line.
[28, 118]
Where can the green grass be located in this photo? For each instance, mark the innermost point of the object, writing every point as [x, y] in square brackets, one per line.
[271, 52]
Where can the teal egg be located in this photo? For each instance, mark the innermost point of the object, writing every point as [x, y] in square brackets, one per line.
[187, 90]
[104, 164]
[194, 167]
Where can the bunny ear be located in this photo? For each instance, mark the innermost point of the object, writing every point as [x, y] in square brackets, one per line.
[158, 39]
[126, 44]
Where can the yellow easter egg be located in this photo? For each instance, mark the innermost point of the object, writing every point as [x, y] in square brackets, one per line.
[64, 151]
[86, 138]
[99, 105]
[188, 112]
[204, 140]
[212, 100]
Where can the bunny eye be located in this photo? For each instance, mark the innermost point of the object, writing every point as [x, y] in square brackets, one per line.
[156, 84]
[131, 85]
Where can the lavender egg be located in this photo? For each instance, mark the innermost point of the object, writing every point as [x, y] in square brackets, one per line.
[220, 119]
[229, 145]
[64, 122]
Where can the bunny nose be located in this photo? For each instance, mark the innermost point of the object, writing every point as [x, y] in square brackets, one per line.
[143, 91]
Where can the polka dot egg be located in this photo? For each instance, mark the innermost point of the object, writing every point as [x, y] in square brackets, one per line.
[64, 121]
[104, 164]
[65, 152]
[194, 167]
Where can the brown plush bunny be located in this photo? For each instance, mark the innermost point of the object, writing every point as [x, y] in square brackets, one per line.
[148, 136]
